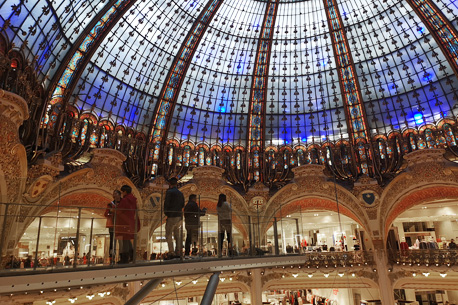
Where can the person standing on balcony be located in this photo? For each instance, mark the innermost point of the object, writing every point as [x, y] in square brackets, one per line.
[126, 225]
[192, 215]
[225, 223]
[173, 209]
[110, 215]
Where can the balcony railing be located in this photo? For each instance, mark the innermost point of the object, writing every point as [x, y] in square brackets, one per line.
[425, 257]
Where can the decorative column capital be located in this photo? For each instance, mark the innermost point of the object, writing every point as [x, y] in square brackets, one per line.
[207, 179]
[208, 172]
[108, 157]
[13, 107]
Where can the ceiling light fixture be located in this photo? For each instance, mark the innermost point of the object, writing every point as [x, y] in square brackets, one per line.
[90, 297]
[341, 274]
[426, 274]
[310, 275]
[194, 282]
[295, 275]
[326, 275]
[72, 300]
[443, 274]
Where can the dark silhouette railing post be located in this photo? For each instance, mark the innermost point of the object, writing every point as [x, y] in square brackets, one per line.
[35, 261]
[90, 243]
[134, 250]
[298, 235]
[250, 236]
[77, 242]
[277, 250]
[3, 230]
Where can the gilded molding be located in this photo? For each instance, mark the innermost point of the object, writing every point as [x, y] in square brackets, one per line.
[13, 107]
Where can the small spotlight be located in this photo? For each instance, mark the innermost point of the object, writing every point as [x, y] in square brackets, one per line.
[341, 274]
[194, 282]
[295, 275]
[426, 274]
[310, 275]
[326, 275]
[443, 274]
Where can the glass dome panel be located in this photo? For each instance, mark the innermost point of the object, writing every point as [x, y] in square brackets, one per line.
[48, 28]
[213, 101]
[133, 61]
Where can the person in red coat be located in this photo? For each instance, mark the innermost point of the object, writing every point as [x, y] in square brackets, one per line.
[127, 224]
[109, 215]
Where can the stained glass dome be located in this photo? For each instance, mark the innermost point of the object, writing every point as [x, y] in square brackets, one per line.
[246, 73]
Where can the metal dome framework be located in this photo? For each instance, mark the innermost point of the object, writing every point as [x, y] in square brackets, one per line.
[255, 87]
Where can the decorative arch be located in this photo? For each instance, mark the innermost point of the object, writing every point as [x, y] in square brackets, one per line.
[72, 111]
[96, 202]
[311, 186]
[91, 117]
[187, 143]
[227, 148]
[430, 283]
[108, 125]
[419, 196]
[315, 203]
[215, 148]
[120, 128]
[445, 121]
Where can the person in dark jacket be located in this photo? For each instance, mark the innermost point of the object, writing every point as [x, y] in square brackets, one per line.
[173, 209]
[127, 224]
[192, 214]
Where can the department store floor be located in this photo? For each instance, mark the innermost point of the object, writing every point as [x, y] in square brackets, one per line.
[312, 263]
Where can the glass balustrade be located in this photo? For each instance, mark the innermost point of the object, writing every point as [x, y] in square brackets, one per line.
[61, 236]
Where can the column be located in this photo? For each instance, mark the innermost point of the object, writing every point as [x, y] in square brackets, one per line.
[256, 287]
[384, 281]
